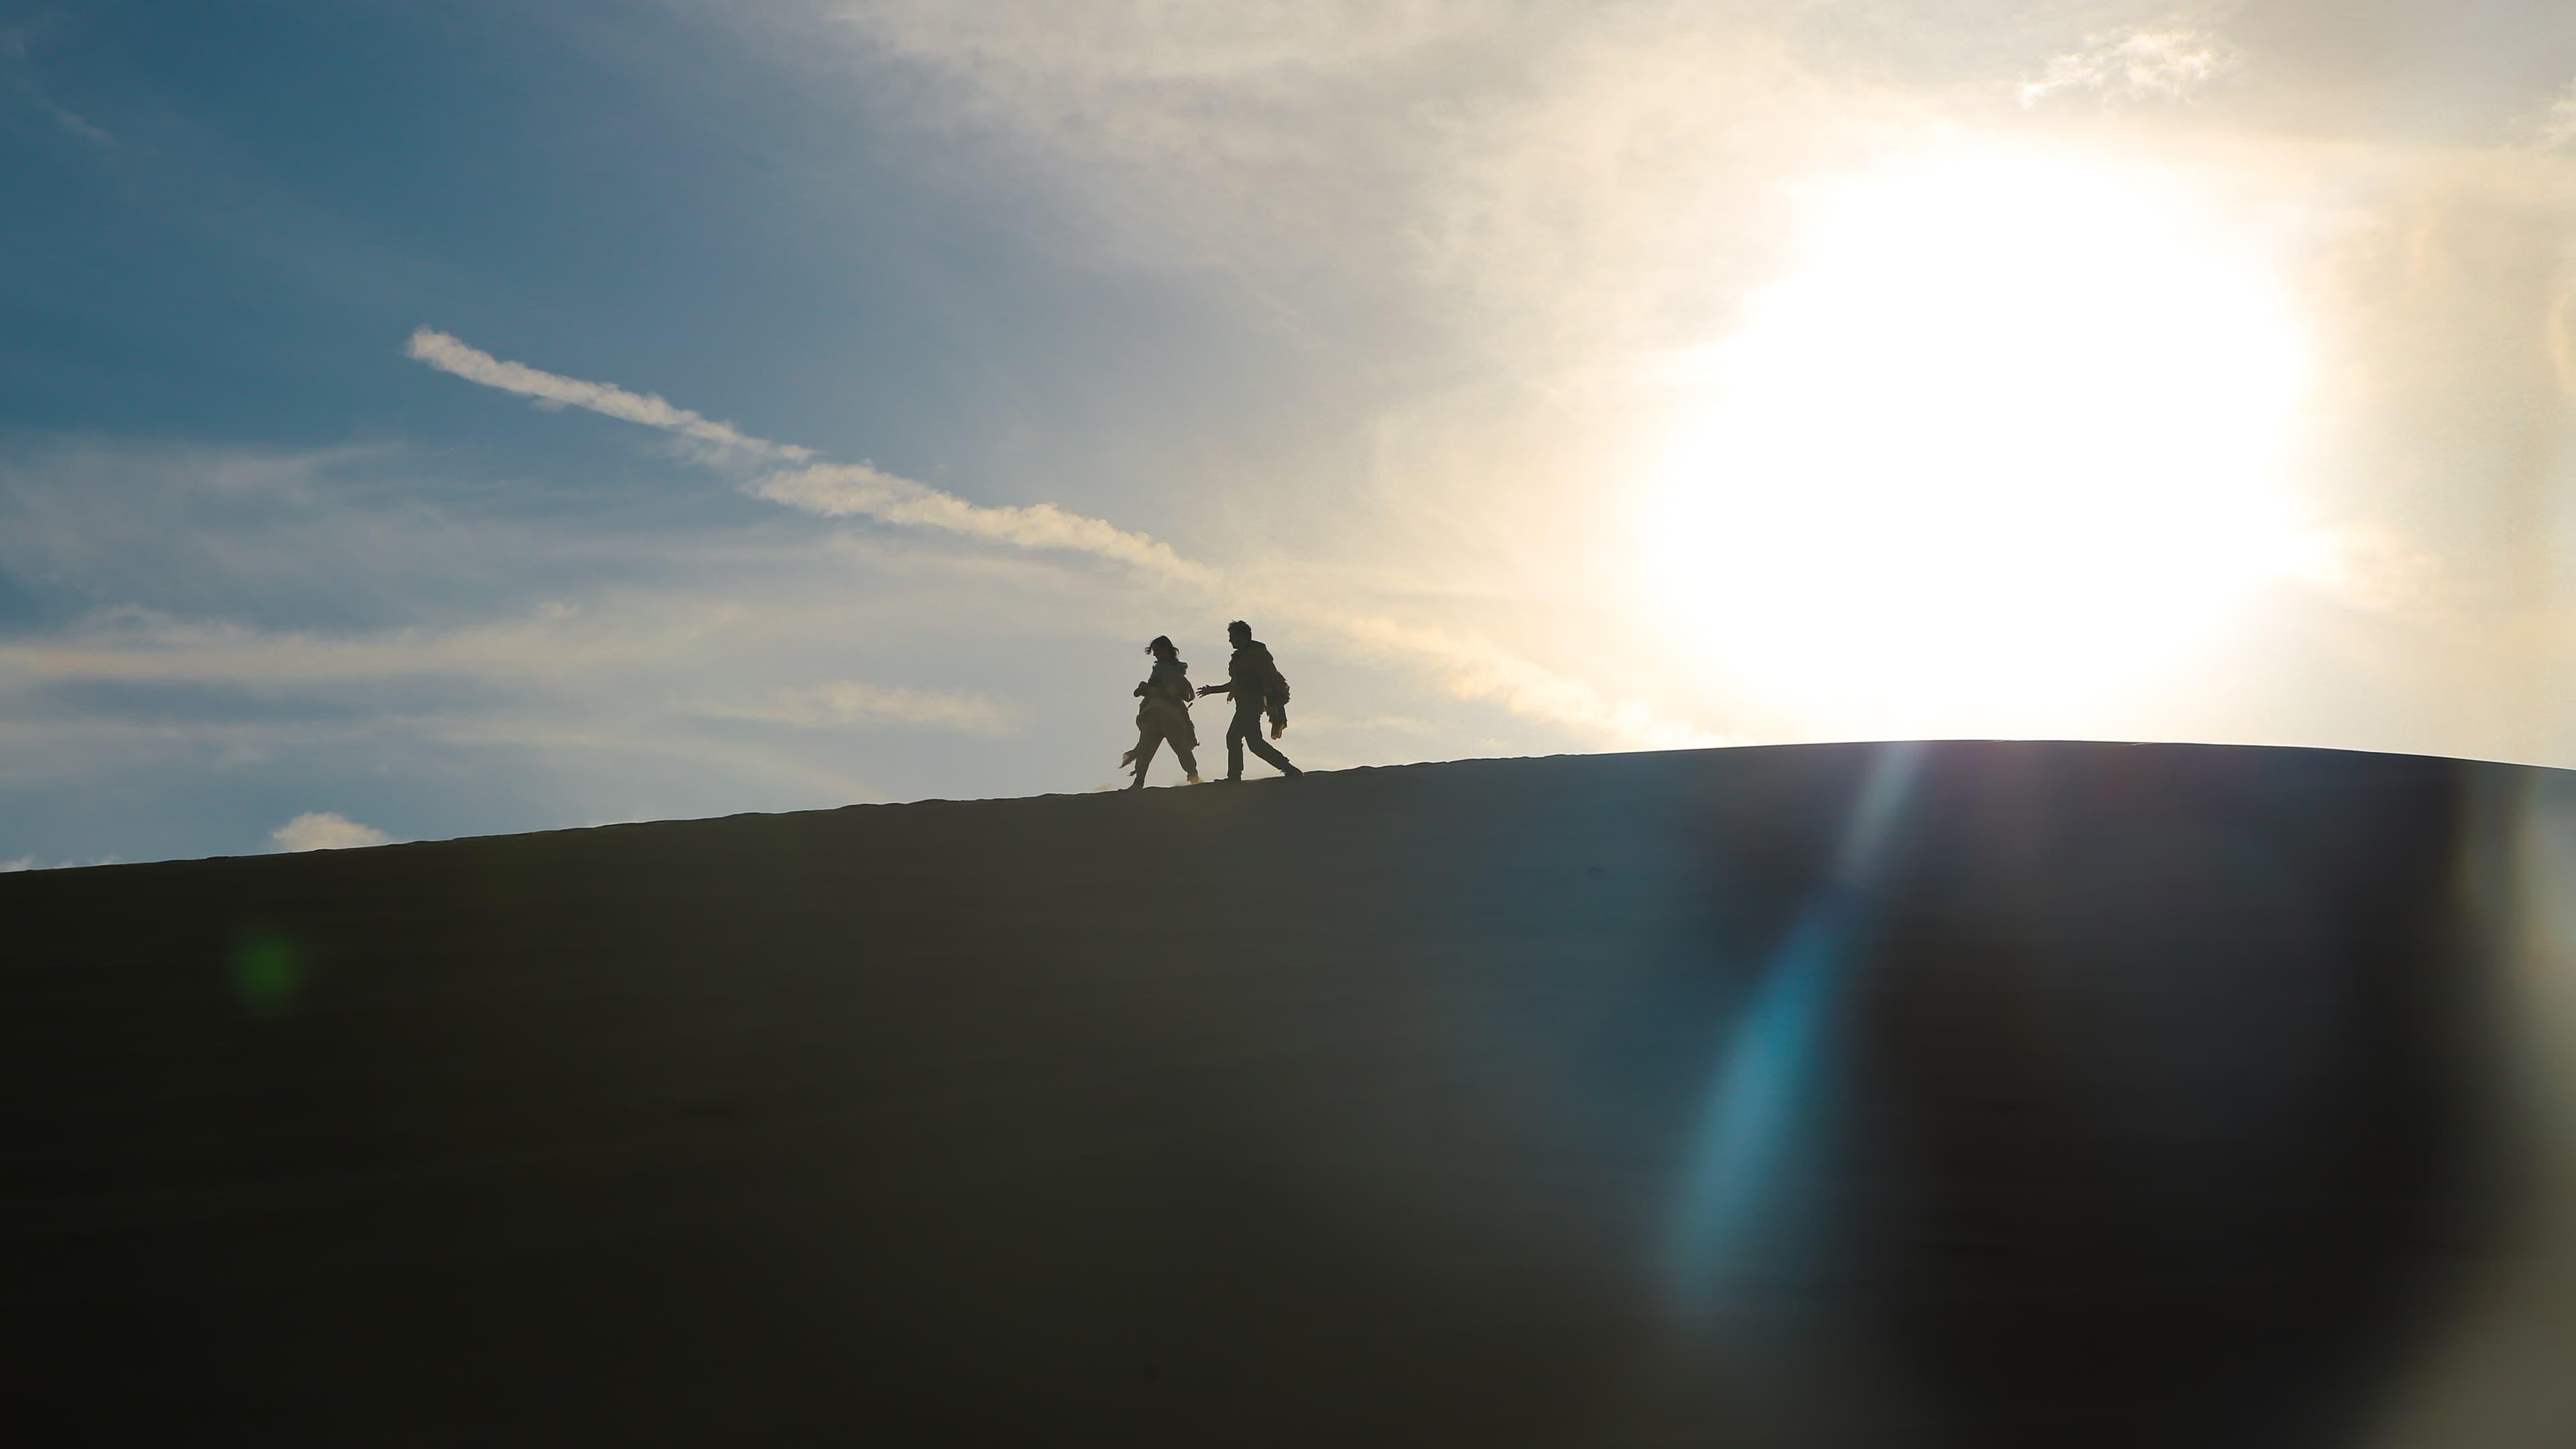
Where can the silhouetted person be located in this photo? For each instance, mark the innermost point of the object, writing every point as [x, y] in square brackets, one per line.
[1164, 714]
[1254, 682]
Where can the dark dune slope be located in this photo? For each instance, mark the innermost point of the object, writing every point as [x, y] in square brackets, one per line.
[2063, 1094]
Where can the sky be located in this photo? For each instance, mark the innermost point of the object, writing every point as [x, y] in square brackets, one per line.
[422, 420]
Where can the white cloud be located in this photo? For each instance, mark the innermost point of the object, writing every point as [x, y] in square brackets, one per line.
[139, 646]
[325, 830]
[72, 122]
[847, 701]
[2370, 566]
[1472, 669]
[42, 865]
[31, 862]
[1508, 170]
[830, 490]
[2144, 63]
[17, 74]
[450, 355]
[2556, 130]
[1146, 41]
[841, 490]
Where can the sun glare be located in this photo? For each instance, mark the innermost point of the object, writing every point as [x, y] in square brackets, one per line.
[2013, 431]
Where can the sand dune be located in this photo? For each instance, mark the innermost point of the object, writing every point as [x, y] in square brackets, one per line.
[1975, 1093]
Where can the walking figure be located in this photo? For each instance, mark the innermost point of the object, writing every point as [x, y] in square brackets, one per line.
[1258, 690]
[1164, 714]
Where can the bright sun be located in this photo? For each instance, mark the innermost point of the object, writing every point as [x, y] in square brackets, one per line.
[2015, 430]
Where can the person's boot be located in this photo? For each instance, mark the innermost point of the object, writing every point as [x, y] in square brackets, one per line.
[1194, 778]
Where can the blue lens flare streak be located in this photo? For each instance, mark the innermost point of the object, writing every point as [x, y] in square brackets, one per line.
[1773, 1067]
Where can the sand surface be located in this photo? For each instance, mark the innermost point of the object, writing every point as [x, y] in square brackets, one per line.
[1975, 1093]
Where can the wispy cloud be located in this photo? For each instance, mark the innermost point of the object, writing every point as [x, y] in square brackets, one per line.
[841, 490]
[833, 490]
[14, 48]
[139, 646]
[2556, 130]
[1464, 668]
[448, 354]
[31, 862]
[1471, 669]
[2142, 63]
[848, 702]
[326, 830]
[2368, 565]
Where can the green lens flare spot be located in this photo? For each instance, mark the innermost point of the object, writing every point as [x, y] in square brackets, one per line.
[268, 973]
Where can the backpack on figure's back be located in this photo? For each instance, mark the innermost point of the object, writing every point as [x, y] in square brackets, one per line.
[1274, 689]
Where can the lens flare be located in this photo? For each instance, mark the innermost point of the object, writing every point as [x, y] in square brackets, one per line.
[268, 973]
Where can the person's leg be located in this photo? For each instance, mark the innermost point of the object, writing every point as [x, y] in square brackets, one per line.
[1148, 740]
[1234, 742]
[1246, 730]
[1189, 758]
[1265, 749]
